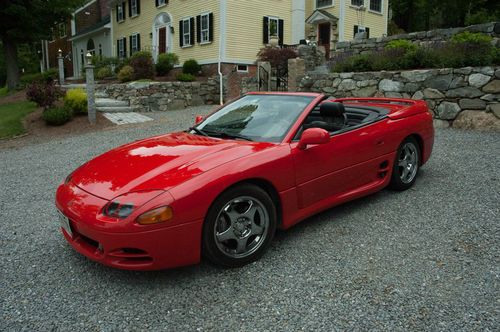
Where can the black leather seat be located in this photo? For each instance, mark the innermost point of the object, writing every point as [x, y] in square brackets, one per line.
[333, 117]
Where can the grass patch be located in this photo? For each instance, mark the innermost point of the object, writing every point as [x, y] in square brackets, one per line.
[4, 91]
[11, 118]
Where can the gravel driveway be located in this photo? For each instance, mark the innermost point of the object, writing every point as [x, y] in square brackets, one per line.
[427, 258]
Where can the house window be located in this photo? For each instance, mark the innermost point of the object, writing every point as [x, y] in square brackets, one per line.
[120, 12]
[62, 30]
[324, 3]
[121, 48]
[273, 26]
[133, 8]
[161, 3]
[186, 32]
[135, 43]
[100, 50]
[242, 68]
[376, 5]
[357, 3]
[205, 28]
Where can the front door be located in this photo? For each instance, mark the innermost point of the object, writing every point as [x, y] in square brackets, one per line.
[162, 40]
[324, 30]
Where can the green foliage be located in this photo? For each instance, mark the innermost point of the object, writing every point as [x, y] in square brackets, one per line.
[183, 77]
[126, 74]
[482, 16]
[402, 44]
[56, 116]
[44, 94]
[47, 76]
[471, 37]
[191, 66]
[11, 118]
[4, 91]
[104, 72]
[165, 63]
[76, 101]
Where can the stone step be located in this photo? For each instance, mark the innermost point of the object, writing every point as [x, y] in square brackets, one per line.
[101, 94]
[114, 109]
[108, 102]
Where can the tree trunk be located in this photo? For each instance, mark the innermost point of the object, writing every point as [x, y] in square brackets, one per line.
[10, 51]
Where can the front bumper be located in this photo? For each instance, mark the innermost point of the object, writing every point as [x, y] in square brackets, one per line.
[152, 248]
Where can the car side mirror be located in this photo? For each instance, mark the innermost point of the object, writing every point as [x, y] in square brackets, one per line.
[313, 136]
[198, 119]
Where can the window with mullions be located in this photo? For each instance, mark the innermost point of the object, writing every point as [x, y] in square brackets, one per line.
[376, 5]
[323, 3]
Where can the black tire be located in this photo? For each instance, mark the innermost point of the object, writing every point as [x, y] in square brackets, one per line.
[401, 179]
[227, 218]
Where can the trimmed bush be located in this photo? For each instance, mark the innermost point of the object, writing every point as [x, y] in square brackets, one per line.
[403, 44]
[56, 116]
[277, 57]
[103, 73]
[126, 74]
[48, 76]
[183, 77]
[166, 62]
[43, 94]
[76, 101]
[142, 63]
[191, 66]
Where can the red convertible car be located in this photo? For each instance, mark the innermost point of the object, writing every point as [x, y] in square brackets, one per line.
[221, 188]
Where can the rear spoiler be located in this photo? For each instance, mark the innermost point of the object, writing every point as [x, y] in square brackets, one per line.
[408, 107]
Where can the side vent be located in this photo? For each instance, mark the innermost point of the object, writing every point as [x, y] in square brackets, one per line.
[383, 169]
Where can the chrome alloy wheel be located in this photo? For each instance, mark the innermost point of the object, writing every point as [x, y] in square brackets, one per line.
[241, 227]
[408, 162]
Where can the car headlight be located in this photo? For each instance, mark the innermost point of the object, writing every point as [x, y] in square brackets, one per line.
[122, 206]
[156, 216]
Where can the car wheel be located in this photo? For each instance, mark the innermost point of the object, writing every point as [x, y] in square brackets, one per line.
[406, 165]
[239, 226]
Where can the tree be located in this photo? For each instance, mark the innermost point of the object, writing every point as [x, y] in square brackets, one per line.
[26, 21]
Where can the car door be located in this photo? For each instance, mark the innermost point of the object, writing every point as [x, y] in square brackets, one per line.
[349, 161]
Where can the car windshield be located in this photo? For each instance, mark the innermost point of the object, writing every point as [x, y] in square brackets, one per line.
[262, 118]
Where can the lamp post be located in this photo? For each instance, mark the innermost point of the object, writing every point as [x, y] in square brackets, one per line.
[60, 64]
[89, 75]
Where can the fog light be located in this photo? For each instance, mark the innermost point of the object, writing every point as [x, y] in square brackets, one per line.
[156, 216]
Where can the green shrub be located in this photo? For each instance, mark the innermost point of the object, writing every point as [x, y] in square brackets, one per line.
[103, 73]
[56, 116]
[166, 62]
[50, 75]
[76, 101]
[191, 66]
[183, 77]
[401, 44]
[30, 78]
[142, 63]
[126, 74]
[471, 37]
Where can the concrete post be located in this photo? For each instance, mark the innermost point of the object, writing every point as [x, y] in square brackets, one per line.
[89, 74]
[60, 63]
[296, 69]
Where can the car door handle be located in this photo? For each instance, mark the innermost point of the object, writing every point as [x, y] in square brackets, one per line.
[380, 142]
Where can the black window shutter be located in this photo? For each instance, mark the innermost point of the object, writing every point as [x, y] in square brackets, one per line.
[367, 32]
[181, 33]
[117, 19]
[211, 27]
[355, 30]
[281, 28]
[191, 30]
[138, 42]
[118, 48]
[131, 45]
[156, 3]
[198, 29]
[129, 8]
[124, 47]
[266, 30]
[138, 7]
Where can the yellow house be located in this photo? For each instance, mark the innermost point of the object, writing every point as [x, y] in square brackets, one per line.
[233, 31]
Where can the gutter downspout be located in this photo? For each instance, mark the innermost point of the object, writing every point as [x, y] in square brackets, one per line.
[222, 48]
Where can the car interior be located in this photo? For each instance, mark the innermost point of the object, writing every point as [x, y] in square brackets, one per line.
[335, 117]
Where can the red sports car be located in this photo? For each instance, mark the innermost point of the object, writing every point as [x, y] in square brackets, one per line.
[221, 188]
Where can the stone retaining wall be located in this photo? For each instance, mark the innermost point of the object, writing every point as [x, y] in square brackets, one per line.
[423, 38]
[163, 96]
[464, 97]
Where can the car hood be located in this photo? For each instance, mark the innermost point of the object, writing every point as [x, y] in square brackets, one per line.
[160, 162]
